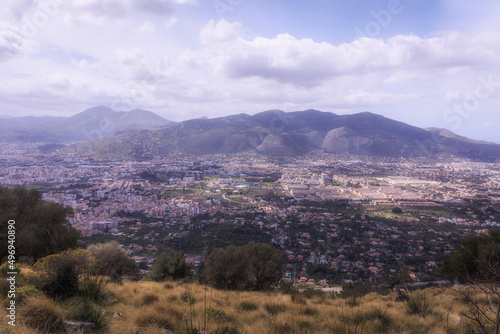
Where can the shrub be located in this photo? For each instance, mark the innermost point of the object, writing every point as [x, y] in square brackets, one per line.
[82, 309]
[287, 288]
[248, 306]
[170, 265]
[42, 314]
[309, 311]
[112, 261]
[274, 309]
[419, 303]
[298, 298]
[60, 273]
[149, 298]
[187, 297]
[311, 293]
[93, 287]
[226, 330]
[155, 317]
[255, 266]
[22, 293]
[212, 313]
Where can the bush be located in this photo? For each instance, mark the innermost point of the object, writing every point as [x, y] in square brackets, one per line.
[311, 293]
[82, 309]
[255, 266]
[42, 314]
[149, 298]
[248, 306]
[170, 265]
[418, 303]
[397, 210]
[93, 287]
[155, 317]
[24, 292]
[274, 309]
[59, 274]
[112, 261]
[212, 313]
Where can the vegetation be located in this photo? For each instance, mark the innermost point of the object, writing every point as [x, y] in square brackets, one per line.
[112, 261]
[255, 266]
[133, 309]
[41, 226]
[170, 265]
[477, 264]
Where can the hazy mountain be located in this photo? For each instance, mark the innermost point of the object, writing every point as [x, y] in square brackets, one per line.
[277, 132]
[25, 122]
[448, 134]
[88, 125]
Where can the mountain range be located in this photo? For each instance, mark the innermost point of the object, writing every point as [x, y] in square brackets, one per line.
[87, 125]
[141, 134]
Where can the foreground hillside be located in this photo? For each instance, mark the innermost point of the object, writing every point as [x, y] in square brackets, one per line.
[149, 307]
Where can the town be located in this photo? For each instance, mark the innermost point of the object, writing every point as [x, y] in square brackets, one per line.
[338, 219]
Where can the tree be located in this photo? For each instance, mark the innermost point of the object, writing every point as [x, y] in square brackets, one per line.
[225, 268]
[265, 265]
[397, 210]
[112, 261]
[170, 265]
[476, 263]
[255, 266]
[41, 227]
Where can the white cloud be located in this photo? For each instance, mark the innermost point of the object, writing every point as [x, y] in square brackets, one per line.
[306, 62]
[220, 31]
[11, 42]
[171, 22]
[146, 27]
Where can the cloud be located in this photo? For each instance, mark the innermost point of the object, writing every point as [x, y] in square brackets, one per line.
[146, 27]
[86, 12]
[171, 22]
[305, 62]
[220, 31]
[11, 42]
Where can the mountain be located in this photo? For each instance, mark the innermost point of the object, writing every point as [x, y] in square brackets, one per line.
[449, 134]
[88, 125]
[276, 132]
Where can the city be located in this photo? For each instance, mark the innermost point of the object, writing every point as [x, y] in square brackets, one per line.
[337, 219]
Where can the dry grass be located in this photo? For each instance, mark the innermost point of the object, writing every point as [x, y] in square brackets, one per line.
[150, 307]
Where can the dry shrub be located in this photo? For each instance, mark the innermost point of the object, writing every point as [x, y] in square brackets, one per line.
[148, 299]
[42, 314]
[248, 306]
[155, 317]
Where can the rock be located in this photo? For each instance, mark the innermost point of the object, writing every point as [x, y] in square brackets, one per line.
[85, 327]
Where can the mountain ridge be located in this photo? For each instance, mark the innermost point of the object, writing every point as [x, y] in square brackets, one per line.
[275, 132]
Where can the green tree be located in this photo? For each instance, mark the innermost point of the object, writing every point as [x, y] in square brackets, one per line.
[170, 265]
[112, 261]
[41, 227]
[476, 264]
[255, 266]
[265, 265]
[225, 268]
[477, 259]
[397, 210]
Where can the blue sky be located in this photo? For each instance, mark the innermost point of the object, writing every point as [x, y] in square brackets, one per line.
[430, 63]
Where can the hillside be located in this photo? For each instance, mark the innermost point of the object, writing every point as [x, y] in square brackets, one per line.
[148, 307]
[275, 132]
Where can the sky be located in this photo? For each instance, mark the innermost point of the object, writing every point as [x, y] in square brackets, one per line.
[429, 63]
